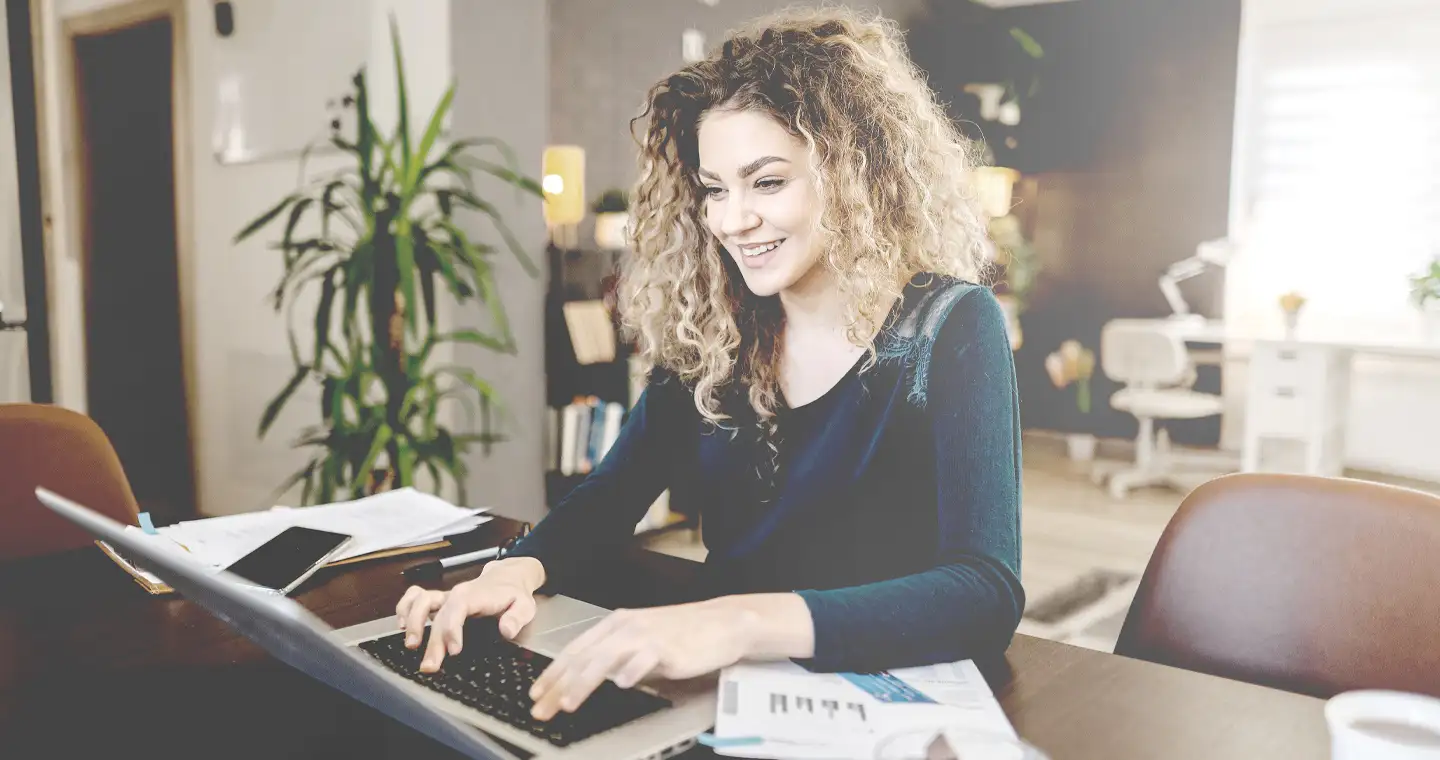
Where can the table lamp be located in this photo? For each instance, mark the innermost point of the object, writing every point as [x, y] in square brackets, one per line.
[563, 180]
[1212, 253]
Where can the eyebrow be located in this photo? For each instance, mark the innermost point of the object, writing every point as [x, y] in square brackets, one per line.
[747, 169]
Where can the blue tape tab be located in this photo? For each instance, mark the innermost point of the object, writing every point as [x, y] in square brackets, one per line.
[887, 688]
[146, 525]
[711, 740]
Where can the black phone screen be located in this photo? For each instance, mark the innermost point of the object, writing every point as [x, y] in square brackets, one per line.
[286, 557]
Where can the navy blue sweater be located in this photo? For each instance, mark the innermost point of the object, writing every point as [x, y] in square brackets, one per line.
[895, 513]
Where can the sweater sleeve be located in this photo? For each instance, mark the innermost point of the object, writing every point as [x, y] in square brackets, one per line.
[601, 512]
[969, 604]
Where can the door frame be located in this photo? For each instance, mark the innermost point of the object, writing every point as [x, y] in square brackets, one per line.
[65, 197]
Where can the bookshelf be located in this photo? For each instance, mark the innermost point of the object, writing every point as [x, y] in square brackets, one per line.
[578, 276]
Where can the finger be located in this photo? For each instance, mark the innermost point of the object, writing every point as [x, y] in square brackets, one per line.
[585, 681]
[640, 665]
[434, 651]
[418, 614]
[519, 615]
[403, 606]
[575, 650]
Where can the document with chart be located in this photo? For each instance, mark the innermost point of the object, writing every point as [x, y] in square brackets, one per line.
[782, 710]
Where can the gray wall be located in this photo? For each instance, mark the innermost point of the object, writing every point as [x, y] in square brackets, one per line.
[501, 55]
[605, 54]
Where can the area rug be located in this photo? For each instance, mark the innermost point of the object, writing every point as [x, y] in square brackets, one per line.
[1088, 611]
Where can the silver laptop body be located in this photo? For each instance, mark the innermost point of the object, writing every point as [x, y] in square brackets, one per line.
[297, 637]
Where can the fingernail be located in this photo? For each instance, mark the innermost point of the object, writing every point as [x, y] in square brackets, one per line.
[507, 630]
[409, 641]
[455, 648]
[567, 704]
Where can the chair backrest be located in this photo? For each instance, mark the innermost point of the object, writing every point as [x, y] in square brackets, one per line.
[1308, 584]
[1144, 353]
[68, 453]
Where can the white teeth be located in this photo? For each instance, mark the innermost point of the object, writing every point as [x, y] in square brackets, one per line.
[768, 247]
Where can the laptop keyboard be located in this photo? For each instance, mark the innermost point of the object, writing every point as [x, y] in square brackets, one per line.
[494, 676]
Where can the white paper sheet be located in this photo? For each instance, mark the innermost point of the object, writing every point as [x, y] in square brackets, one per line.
[388, 520]
[798, 714]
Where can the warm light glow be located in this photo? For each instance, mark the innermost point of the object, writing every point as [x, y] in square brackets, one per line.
[563, 181]
[995, 186]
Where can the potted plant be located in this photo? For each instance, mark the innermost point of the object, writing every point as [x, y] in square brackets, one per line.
[1073, 364]
[1425, 295]
[378, 243]
[612, 216]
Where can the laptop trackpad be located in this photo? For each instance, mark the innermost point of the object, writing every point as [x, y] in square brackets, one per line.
[550, 640]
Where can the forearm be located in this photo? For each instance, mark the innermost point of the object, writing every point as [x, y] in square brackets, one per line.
[953, 612]
[772, 626]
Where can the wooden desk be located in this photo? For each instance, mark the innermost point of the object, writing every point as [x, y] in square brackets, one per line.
[89, 663]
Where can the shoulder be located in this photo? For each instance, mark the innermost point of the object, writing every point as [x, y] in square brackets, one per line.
[943, 317]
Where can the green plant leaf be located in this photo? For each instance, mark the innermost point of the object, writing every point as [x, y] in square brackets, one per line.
[272, 410]
[403, 131]
[432, 132]
[475, 337]
[265, 218]
[1027, 43]
[513, 243]
[322, 313]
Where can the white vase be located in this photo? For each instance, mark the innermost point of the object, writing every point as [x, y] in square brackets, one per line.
[610, 230]
[1081, 447]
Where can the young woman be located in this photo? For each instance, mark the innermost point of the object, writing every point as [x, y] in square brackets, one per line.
[831, 389]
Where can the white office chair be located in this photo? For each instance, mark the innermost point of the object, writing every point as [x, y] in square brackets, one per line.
[1151, 360]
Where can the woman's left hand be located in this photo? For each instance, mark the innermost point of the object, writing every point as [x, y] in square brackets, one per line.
[674, 643]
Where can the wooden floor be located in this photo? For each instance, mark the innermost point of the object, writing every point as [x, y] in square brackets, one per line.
[1070, 529]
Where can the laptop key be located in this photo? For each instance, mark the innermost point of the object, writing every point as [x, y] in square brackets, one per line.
[494, 675]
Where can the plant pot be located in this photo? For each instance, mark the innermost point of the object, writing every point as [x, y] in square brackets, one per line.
[1081, 447]
[610, 230]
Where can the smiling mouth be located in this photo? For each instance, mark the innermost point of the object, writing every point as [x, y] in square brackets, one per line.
[761, 248]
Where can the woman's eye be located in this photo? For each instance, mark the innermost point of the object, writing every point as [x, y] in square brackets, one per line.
[712, 191]
[770, 183]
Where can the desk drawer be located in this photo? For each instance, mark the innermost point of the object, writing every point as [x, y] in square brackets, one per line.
[1290, 365]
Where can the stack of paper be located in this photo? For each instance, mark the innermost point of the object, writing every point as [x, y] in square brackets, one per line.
[386, 523]
[780, 710]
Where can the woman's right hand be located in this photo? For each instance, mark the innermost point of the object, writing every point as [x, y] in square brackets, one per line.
[505, 588]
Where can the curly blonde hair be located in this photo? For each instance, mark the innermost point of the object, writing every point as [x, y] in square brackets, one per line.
[891, 173]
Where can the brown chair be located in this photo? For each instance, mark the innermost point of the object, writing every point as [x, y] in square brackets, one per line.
[67, 453]
[1308, 584]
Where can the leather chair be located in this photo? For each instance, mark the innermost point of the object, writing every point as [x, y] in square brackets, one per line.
[68, 453]
[1303, 583]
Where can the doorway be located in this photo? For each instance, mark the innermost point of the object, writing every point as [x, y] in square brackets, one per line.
[125, 107]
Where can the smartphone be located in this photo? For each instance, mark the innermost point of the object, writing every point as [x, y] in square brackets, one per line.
[285, 561]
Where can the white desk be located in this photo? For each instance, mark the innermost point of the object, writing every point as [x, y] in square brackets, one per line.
[1295, 389]
[1299, 390]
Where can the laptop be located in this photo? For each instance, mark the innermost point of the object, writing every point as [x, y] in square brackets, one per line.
[477, 704]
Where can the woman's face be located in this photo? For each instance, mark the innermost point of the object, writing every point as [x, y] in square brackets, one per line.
[759, 198]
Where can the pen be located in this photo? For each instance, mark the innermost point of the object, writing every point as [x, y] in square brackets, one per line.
[435, 567]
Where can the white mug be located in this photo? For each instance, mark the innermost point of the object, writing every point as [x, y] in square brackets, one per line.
[1383, 725]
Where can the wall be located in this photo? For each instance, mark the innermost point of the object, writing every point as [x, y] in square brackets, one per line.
[605, 55]
[1127, 153]
[501, 56]
[238, 344]
[14, 360]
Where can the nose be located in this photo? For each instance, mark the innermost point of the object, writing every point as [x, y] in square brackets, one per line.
[739, 217]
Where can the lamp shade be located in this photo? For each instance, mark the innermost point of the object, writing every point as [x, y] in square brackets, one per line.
[563, 170]
[995, 186]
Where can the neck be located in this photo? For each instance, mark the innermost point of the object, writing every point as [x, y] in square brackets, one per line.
[814, 304]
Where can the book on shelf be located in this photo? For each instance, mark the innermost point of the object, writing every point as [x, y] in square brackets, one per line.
[582, 433]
